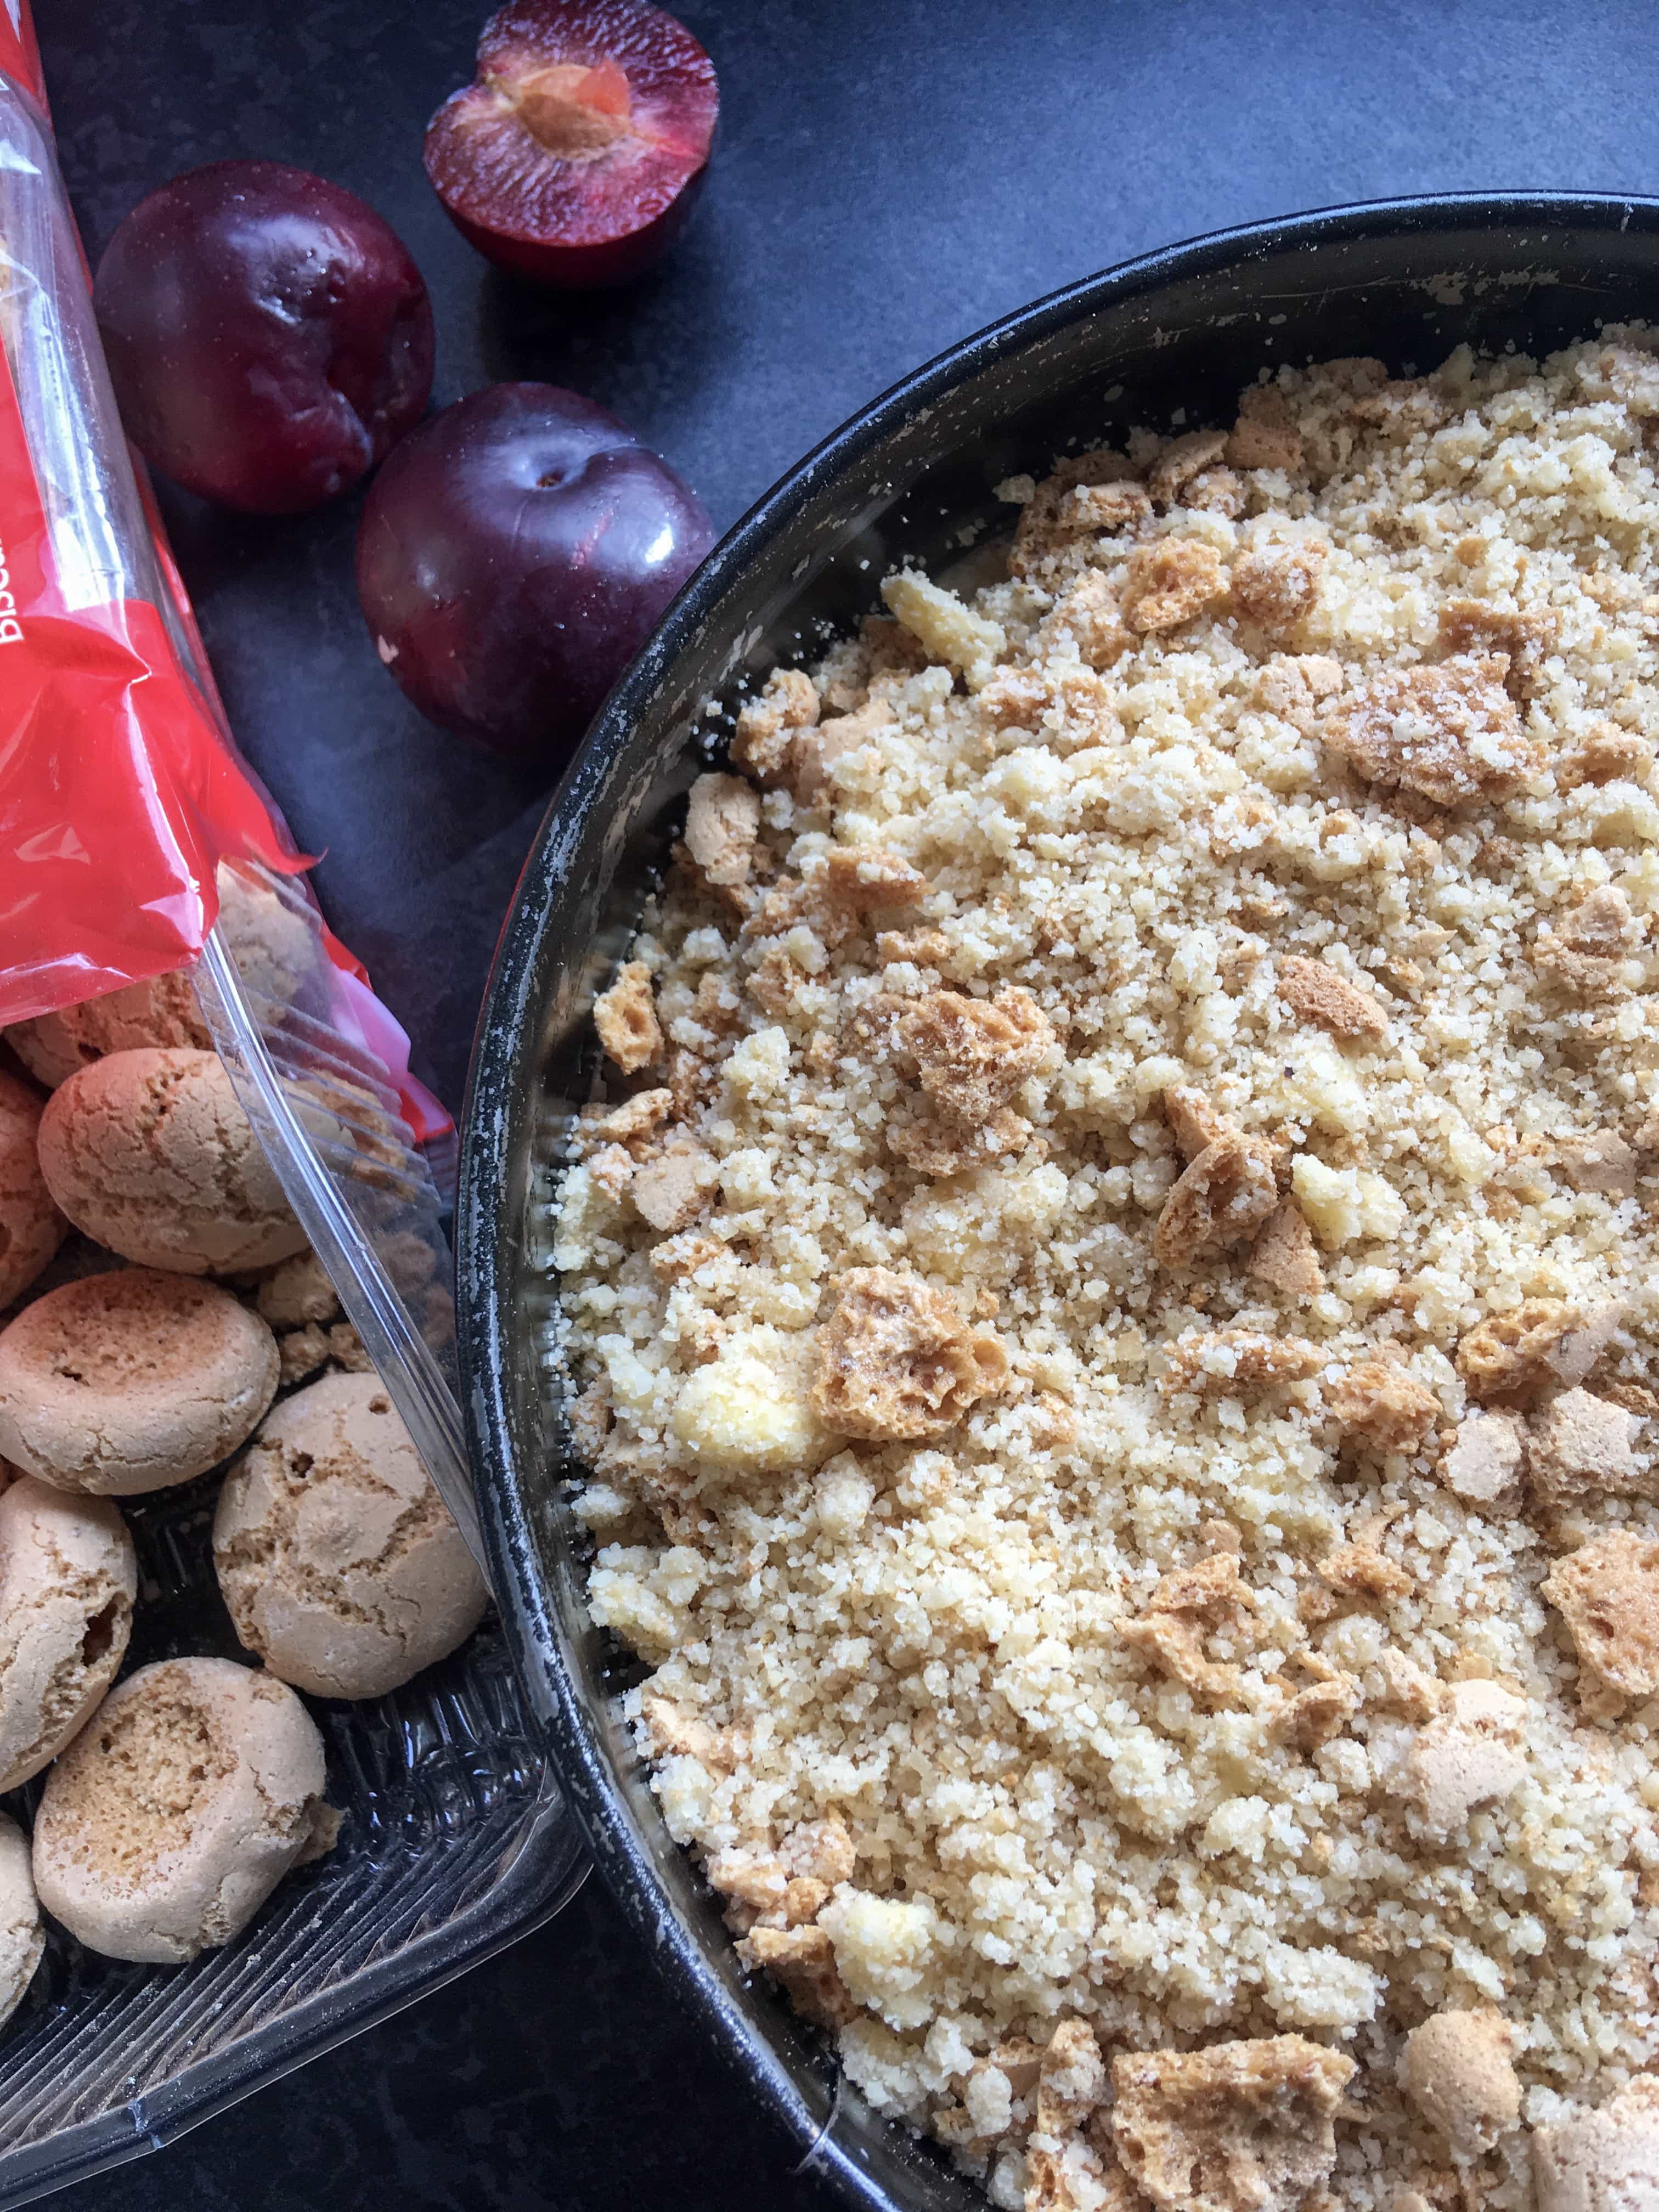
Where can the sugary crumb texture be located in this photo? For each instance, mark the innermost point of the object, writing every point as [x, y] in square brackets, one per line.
[1116, 1292]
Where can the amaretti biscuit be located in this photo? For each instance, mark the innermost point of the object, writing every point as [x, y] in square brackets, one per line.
[178, 1808]
[150, 1154]
[160, 1011]
[297, 1293]
[275, 950]
[22, 1939]
[31, 1227]
[339, 1562]
[277, 946]
[67, 1580]
[131, 1382]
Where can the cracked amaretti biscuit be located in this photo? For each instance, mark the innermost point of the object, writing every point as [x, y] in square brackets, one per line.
[1115, 1288]
[178, 1808]
[22, 1939]
[131, 1381]
[150, 1154]
[31, 1227]
[340, 1564]
[67, 1580]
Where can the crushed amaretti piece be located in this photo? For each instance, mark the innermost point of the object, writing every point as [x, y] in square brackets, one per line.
[1234, 2127]
[896, 1360]
[1223, 1198]
[1317, 993]
[625, 1017]
[1447, 732]
[1607, 1593]
[1455, 2069]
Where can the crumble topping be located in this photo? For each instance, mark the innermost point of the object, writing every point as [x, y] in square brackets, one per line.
[1117, 1287]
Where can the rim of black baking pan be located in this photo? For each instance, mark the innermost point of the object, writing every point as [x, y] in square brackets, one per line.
[505, 1070]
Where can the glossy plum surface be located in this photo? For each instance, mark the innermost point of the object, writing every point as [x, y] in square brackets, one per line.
[268, 336]
[574, 155]
[514, 555]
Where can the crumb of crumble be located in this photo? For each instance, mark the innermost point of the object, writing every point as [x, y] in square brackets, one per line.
[626, 1019]
[721, 823]
[1455, 2069]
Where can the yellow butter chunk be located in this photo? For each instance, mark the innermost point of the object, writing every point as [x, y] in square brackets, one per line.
[949, 630]
[751, 1413]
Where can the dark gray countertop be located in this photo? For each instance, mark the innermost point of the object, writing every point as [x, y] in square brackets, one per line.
[890, 174]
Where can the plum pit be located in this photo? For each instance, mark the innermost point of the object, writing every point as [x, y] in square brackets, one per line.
[571, 110]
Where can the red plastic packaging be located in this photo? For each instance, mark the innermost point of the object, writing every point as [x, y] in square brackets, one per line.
[121, 789]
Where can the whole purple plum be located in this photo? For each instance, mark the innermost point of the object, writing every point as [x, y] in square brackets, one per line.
[269, 336]
[515, 554]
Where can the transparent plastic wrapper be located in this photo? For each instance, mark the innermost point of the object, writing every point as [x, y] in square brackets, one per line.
[135, 841]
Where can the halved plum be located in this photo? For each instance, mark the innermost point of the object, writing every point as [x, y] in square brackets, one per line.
[574, 155]
[514, 555]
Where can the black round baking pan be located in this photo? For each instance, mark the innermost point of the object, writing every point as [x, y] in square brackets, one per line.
[1168, 338]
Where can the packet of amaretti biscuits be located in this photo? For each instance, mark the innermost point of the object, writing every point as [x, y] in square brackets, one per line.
[145, 877]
